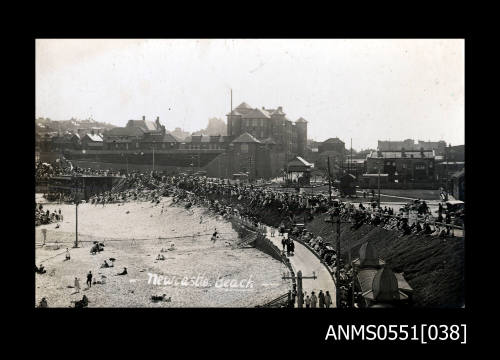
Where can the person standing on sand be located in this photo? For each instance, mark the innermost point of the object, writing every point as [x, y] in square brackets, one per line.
[89, 279]
[308, 301]
[77, 285]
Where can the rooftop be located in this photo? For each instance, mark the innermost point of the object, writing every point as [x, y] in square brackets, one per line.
[399, 154]
[335, 140]
[94, 137]
[125, 131]
[256, 114]
[246, 138]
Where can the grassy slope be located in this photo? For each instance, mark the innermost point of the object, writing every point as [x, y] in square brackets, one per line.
[433, 267]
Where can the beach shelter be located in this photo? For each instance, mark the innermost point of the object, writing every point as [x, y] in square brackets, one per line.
[299, 171]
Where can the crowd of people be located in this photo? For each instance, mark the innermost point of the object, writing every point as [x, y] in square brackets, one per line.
[63, 167]
[43, 217]
[248, 201]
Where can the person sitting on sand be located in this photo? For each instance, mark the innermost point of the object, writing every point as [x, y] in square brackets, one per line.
[95, 248]
[82, 303]
[124, 272]
[43, 303]
[105, 265]
[40, 269]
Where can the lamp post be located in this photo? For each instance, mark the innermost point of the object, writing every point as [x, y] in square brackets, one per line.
[153, 157]
[329, 183]
[335, 219]
[379, 186]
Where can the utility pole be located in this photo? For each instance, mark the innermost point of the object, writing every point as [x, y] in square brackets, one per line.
[77, 200]
[350, 162]
[335, 219]
[76, 223]
[329, 182]
[379, 185]
[299, 278]
[337, 265]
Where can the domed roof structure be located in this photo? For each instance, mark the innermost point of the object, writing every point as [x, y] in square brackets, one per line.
[385, 286]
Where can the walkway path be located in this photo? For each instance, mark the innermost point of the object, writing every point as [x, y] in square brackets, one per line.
[307, 262]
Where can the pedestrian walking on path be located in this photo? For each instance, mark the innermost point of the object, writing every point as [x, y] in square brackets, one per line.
[321, 298]
[328, 299]
[314, 300]
[77, 285]
[282, 229]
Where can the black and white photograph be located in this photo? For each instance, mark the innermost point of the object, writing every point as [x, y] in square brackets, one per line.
[249, 173]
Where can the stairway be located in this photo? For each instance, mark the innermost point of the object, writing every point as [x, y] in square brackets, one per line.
[248, 239]
[278, 302]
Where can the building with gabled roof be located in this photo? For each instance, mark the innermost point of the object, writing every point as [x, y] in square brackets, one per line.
[246, 138]
[145, 125]
[288, 137]
[92, 141]
[403, 166]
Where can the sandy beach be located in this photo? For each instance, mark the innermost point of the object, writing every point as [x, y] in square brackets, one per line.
[134, 234]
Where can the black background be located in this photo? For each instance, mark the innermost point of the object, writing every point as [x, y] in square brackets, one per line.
[215, 330]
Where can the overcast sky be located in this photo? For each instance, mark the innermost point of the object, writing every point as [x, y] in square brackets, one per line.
[367, 90]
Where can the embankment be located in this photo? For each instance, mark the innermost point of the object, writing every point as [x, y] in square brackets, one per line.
[434, 267]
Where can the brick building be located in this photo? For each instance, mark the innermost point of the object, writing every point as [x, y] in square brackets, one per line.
[290, 137]
[411, 145]
[403, 166]
[332, 144]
